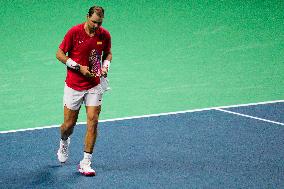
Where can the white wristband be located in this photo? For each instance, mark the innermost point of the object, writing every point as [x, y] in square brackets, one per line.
[106, 64]
[72, 64]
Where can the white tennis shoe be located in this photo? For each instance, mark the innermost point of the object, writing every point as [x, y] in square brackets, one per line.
[85, 168]
[62, 153]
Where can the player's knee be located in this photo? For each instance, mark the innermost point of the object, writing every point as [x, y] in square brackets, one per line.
[69, 124]
[93, 119]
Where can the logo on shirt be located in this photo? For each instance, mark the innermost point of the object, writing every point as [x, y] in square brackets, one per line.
[99, 42]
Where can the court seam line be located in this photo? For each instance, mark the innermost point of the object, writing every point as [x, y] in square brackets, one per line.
[248, 116]
[146, 116]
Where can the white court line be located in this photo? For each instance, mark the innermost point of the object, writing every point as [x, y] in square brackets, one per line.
[248, 116]
[150, 115]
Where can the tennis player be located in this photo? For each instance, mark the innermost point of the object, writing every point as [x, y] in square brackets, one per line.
[83, 49]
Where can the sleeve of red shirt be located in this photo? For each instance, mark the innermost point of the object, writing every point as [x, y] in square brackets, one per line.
[66, 44]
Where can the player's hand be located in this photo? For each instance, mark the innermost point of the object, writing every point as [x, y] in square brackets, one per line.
[104, 71]
[86, 71]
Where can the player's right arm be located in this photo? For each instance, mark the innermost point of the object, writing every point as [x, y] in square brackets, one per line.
[61, 56]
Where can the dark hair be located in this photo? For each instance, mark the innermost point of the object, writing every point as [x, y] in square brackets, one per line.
[98, 10]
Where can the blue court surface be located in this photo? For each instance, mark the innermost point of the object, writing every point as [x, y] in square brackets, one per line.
[229, 147]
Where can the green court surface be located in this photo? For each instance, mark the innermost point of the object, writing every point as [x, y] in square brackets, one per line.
[167, 56]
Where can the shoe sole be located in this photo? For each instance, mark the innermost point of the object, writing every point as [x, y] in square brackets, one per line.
[88, 174]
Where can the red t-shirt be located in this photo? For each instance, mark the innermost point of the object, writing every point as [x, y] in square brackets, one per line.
[86, 51]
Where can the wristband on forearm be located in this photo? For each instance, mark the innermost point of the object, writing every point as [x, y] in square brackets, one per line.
[72, 64]
[106, 64]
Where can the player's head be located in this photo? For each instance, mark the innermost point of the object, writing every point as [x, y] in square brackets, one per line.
[95, 17]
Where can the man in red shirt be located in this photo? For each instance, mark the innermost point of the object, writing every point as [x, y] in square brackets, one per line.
[83, 49]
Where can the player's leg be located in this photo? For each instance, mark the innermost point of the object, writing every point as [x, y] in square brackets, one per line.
[93, 101]
[66, 129]
[90, 139]
[93, 113]
[70, 119]
[72, 103]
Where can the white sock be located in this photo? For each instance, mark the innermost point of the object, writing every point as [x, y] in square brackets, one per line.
[87, 157]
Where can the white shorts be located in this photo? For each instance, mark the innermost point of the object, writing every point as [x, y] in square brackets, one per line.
[73, 99]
